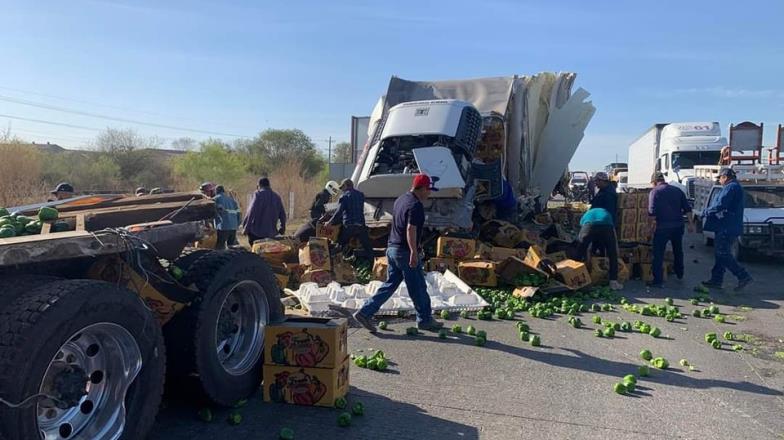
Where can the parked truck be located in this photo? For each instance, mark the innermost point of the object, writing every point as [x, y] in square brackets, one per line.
[103, 304]
[674, 149]
[763, 213]
[471, 135]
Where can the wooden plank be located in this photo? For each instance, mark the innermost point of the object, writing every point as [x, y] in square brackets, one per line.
[97, 219]
[80, 222]
[46, 228]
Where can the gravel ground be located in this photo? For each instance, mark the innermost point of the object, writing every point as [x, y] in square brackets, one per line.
[562, 390]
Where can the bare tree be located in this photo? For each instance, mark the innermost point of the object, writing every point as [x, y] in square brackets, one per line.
[342, 153]
[184, 143]
[114, 140]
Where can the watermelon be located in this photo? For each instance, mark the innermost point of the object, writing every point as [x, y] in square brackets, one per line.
[6, 232]
[48, 213]
[33, 227]
[3, 212]
[23, 219]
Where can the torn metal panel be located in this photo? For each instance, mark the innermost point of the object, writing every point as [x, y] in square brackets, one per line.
[561, 136]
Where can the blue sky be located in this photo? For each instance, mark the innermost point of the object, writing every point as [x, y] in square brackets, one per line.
[238, 67]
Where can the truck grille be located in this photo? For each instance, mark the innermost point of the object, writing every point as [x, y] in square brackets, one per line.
[690, 188]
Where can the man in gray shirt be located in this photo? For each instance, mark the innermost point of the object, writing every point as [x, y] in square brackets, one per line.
[264, 213]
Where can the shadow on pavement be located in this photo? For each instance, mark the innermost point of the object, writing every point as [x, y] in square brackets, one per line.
[383, 418]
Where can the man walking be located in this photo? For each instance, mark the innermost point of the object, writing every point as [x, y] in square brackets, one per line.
[405, 264]
[668, 205]
[351, 214]
[228, 219]
[597, 230]
[264, 213]
[725, 218]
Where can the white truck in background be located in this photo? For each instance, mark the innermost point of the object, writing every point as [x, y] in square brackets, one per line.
[470, 135]
[674, 149]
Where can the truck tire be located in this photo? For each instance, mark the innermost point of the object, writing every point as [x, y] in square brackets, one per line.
[11, 287]
[189, 256]
[220, 336]
[95, 348]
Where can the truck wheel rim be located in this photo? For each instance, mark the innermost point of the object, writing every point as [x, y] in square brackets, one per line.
[101, 361]
[239, 331]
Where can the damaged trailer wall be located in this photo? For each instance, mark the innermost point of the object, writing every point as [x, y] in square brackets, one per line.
[544, 123]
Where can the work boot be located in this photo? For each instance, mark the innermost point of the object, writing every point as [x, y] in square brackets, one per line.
[710, 284]
[365, 321]
[615, 285]
[431, 325]
[743, 283]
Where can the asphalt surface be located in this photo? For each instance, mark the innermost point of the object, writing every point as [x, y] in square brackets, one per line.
[562, 390]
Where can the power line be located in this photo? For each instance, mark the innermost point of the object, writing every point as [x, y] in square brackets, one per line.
[112, 118]
[41, 121]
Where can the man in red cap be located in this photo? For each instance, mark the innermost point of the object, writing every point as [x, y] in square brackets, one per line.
[408, 219]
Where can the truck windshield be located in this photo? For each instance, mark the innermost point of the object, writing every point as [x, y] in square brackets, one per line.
[689, 159]
[764, 197]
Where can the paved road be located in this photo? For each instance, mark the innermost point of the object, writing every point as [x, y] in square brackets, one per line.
[561, 390]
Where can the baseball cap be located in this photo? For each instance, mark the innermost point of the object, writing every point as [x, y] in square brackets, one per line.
[63, 187]
[421, 180]
[657, 177]
[207, 186]
[601, 175]
[727, 172]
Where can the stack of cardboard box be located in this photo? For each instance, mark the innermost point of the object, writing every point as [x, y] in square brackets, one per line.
[306, 361]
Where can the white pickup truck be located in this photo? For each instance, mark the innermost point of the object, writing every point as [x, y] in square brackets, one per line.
[763, 214]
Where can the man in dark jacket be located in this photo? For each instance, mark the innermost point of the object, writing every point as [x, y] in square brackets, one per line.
[264, 213]
[317, 211]
[351, 214]
[606, 198]
[668, 204]
[725, 218]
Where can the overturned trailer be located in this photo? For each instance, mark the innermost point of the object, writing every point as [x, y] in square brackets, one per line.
[471, 135]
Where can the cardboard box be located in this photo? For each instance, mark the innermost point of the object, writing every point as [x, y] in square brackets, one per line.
[276, 252]
[642, 199]
[501, 233]
[629, 232]
[295, 271]
[457, 248]
[644, 254]
[646, 272]
[573, 273]
[543, 219]
[644, 233]
[380, 265]
[306, 386]
[557, 257]
[624, 272]
[525, 292]
[320, 277]
[533, 237]
[441, 265]
[600, 270]
[330, 232]
[484, 251]
[627, 201]
[478, 273]
[628, 254]
[513, 268]
[282, 279]
[669, 256]
[535, 257]
[307, 342]
[344, 272]
[500, 253]
[316, 254]
[628, 216]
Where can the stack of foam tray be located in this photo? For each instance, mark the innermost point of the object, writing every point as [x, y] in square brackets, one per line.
[446, 291]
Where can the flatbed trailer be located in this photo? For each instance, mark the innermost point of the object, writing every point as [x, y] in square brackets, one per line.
[99, 316]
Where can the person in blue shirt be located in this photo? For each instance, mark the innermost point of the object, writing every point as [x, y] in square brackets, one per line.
[228, 219]
[351, 214]
[597, 229]
[724, 217]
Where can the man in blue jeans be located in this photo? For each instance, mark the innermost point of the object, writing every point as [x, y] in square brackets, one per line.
[668, 204]
[408, 219]
[725, 218]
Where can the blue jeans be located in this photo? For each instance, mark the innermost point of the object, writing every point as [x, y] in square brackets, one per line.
[722, 244]
[397, 272]
[660, 238]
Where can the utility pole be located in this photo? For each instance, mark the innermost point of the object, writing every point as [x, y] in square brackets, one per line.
[329, 153]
